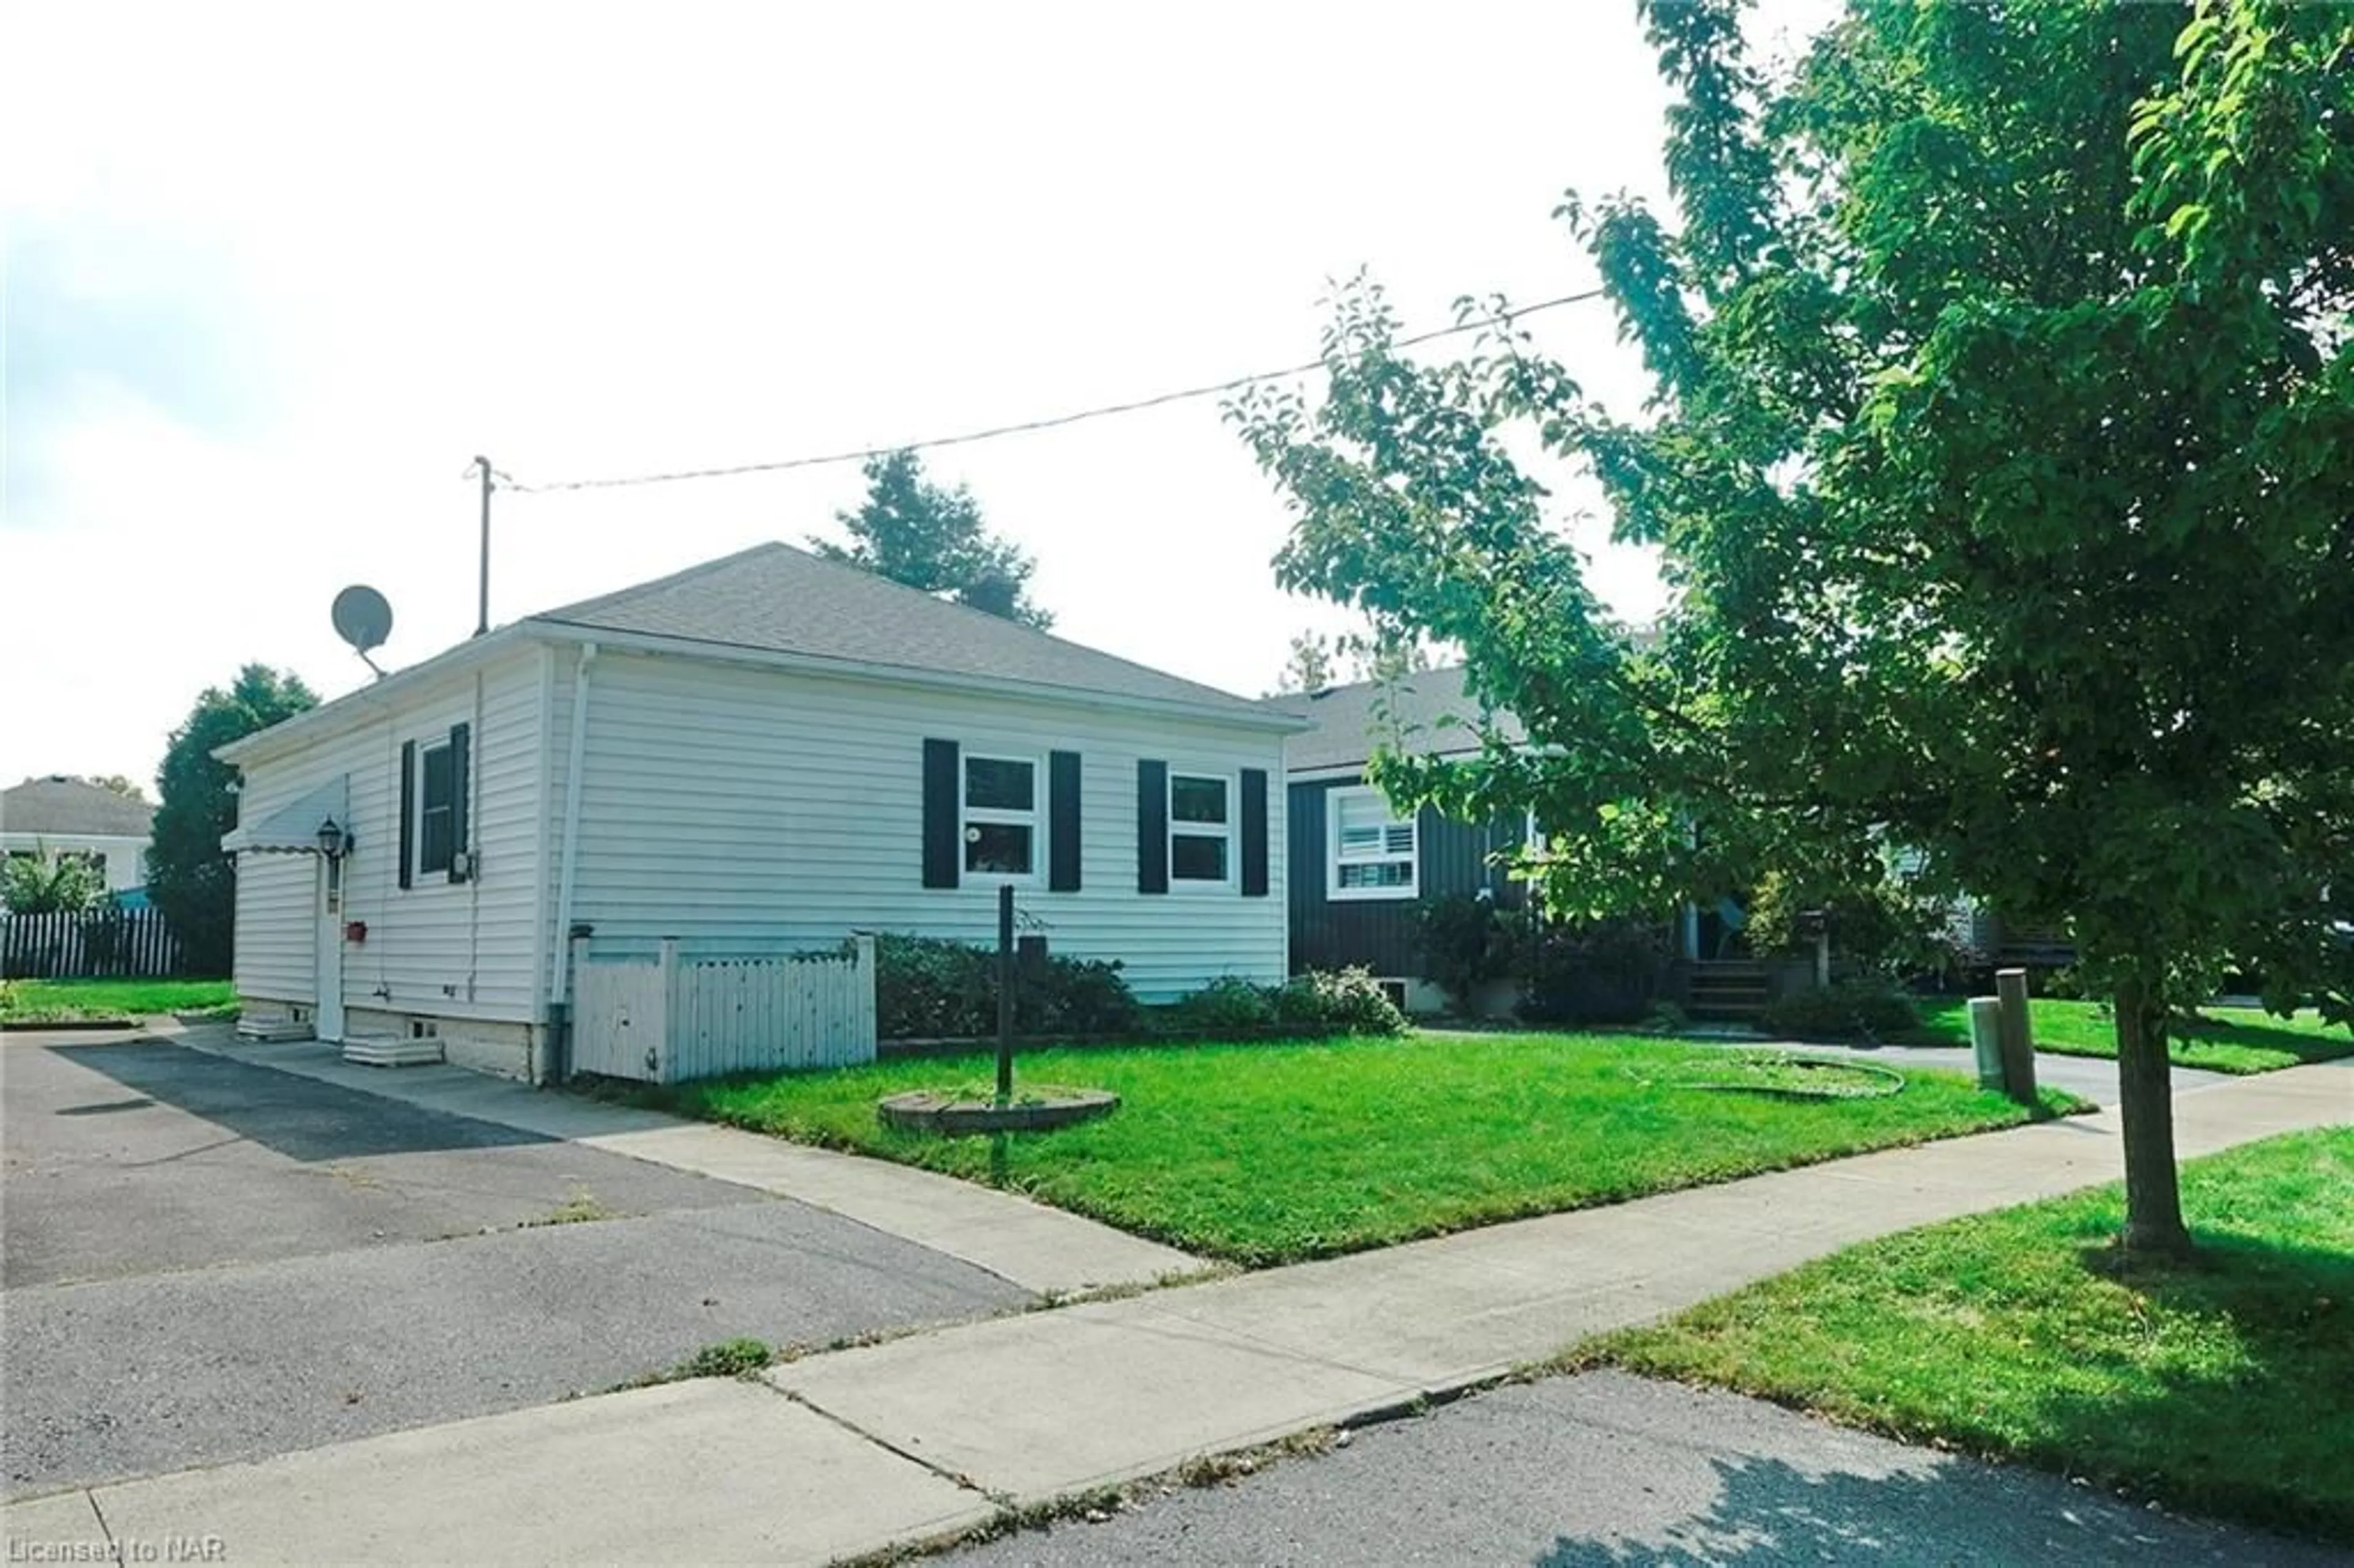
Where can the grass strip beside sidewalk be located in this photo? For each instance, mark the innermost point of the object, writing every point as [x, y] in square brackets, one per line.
[2221, 1387]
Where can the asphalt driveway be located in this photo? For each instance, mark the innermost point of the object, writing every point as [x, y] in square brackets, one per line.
[202, 1260]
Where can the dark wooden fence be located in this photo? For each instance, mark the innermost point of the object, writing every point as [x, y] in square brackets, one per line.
[95, 944]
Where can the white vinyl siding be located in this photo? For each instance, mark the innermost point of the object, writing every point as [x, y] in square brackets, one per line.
[722, 803]
[438, 948]
[1372, 852]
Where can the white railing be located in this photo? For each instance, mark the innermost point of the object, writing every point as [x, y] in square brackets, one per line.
[670, 1016]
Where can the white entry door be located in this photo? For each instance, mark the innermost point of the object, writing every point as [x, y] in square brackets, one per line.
[327, 1021]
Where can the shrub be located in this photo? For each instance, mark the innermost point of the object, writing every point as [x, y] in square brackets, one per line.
[1665, 1018]
[1850, 1010]
[929, 988]
[1589, 971]
[1888, 927]
[2063, 984]
[1077, 996]
[1226, 1003]
[1338, 1001]
[1464, 941]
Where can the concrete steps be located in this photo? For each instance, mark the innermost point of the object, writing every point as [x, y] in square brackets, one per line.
[272, 1027]
[384, 1051]
[1734, 989]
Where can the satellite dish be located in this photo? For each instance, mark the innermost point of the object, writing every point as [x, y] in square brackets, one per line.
[364, 620]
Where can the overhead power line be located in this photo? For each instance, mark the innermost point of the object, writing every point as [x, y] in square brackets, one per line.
[1027, 426]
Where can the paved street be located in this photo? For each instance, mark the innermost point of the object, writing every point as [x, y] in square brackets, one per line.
[206, 1261]
[1611, 1471]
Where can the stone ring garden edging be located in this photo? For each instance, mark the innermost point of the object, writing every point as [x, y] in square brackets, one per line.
[1038, 1110]
[1881, 1082]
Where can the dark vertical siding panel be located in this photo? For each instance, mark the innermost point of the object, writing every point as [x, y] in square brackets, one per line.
[943, 791]
[1382, 934]
[1378, 934]
[1063, 837]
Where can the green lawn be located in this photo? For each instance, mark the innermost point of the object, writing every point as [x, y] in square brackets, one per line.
[26, 1001]
[1270, 1153]
[2225, 1387]
[2237, 1040]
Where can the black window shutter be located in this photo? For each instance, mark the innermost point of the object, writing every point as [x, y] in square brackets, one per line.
[1063, 822]
[461, 738]
[1151, 826]
[1254, 833]
[408, 810]
[943, 852]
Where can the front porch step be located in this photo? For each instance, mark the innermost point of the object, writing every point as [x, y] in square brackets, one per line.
[386, 1052]
[1730, 990]
[269, 1030]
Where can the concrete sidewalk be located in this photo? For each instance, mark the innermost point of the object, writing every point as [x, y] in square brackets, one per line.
[840, 1453]
[1043, 1250]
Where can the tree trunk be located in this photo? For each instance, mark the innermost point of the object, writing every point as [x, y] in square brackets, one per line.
[2153, 1192]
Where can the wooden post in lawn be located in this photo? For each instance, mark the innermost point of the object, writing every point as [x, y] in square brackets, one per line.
[1005, 994]
[2018, 1039]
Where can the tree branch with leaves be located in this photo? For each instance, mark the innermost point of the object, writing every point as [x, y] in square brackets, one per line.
[1995, 458]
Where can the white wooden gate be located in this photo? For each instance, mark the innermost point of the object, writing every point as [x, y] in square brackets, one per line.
[667, 1017]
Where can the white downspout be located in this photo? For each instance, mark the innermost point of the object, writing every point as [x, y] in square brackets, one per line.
[560, 990]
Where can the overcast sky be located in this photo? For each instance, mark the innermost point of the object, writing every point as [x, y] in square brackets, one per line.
[273, 277]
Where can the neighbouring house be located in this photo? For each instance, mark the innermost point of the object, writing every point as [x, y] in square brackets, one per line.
[1358, 867]
[62, 816]
[768, 751]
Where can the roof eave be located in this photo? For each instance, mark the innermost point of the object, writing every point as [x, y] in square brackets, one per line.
[1241, 715]
[329, 717]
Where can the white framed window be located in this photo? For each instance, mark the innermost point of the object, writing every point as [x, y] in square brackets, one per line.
[1001, 817]
[1201, 830]
[436, 794]
[1371, 850]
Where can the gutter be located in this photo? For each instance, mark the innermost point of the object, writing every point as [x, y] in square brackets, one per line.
[559, 1005]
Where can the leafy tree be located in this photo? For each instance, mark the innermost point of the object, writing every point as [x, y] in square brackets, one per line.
[189, 877]
[1385, 655]
[1995, 454]
[118, 784]
[1309, 668]
[44, 884]
[932, 539]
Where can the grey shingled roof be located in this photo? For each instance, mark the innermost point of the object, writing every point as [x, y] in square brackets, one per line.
[780, 599]
[1412, 713]
[67, 808]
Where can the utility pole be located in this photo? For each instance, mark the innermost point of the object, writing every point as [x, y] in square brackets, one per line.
[482, 603]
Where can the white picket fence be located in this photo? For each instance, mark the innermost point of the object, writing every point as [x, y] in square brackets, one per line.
[670, 1016]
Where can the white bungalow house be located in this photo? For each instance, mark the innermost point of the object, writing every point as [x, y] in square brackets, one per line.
[768, 749]
[59, 816]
